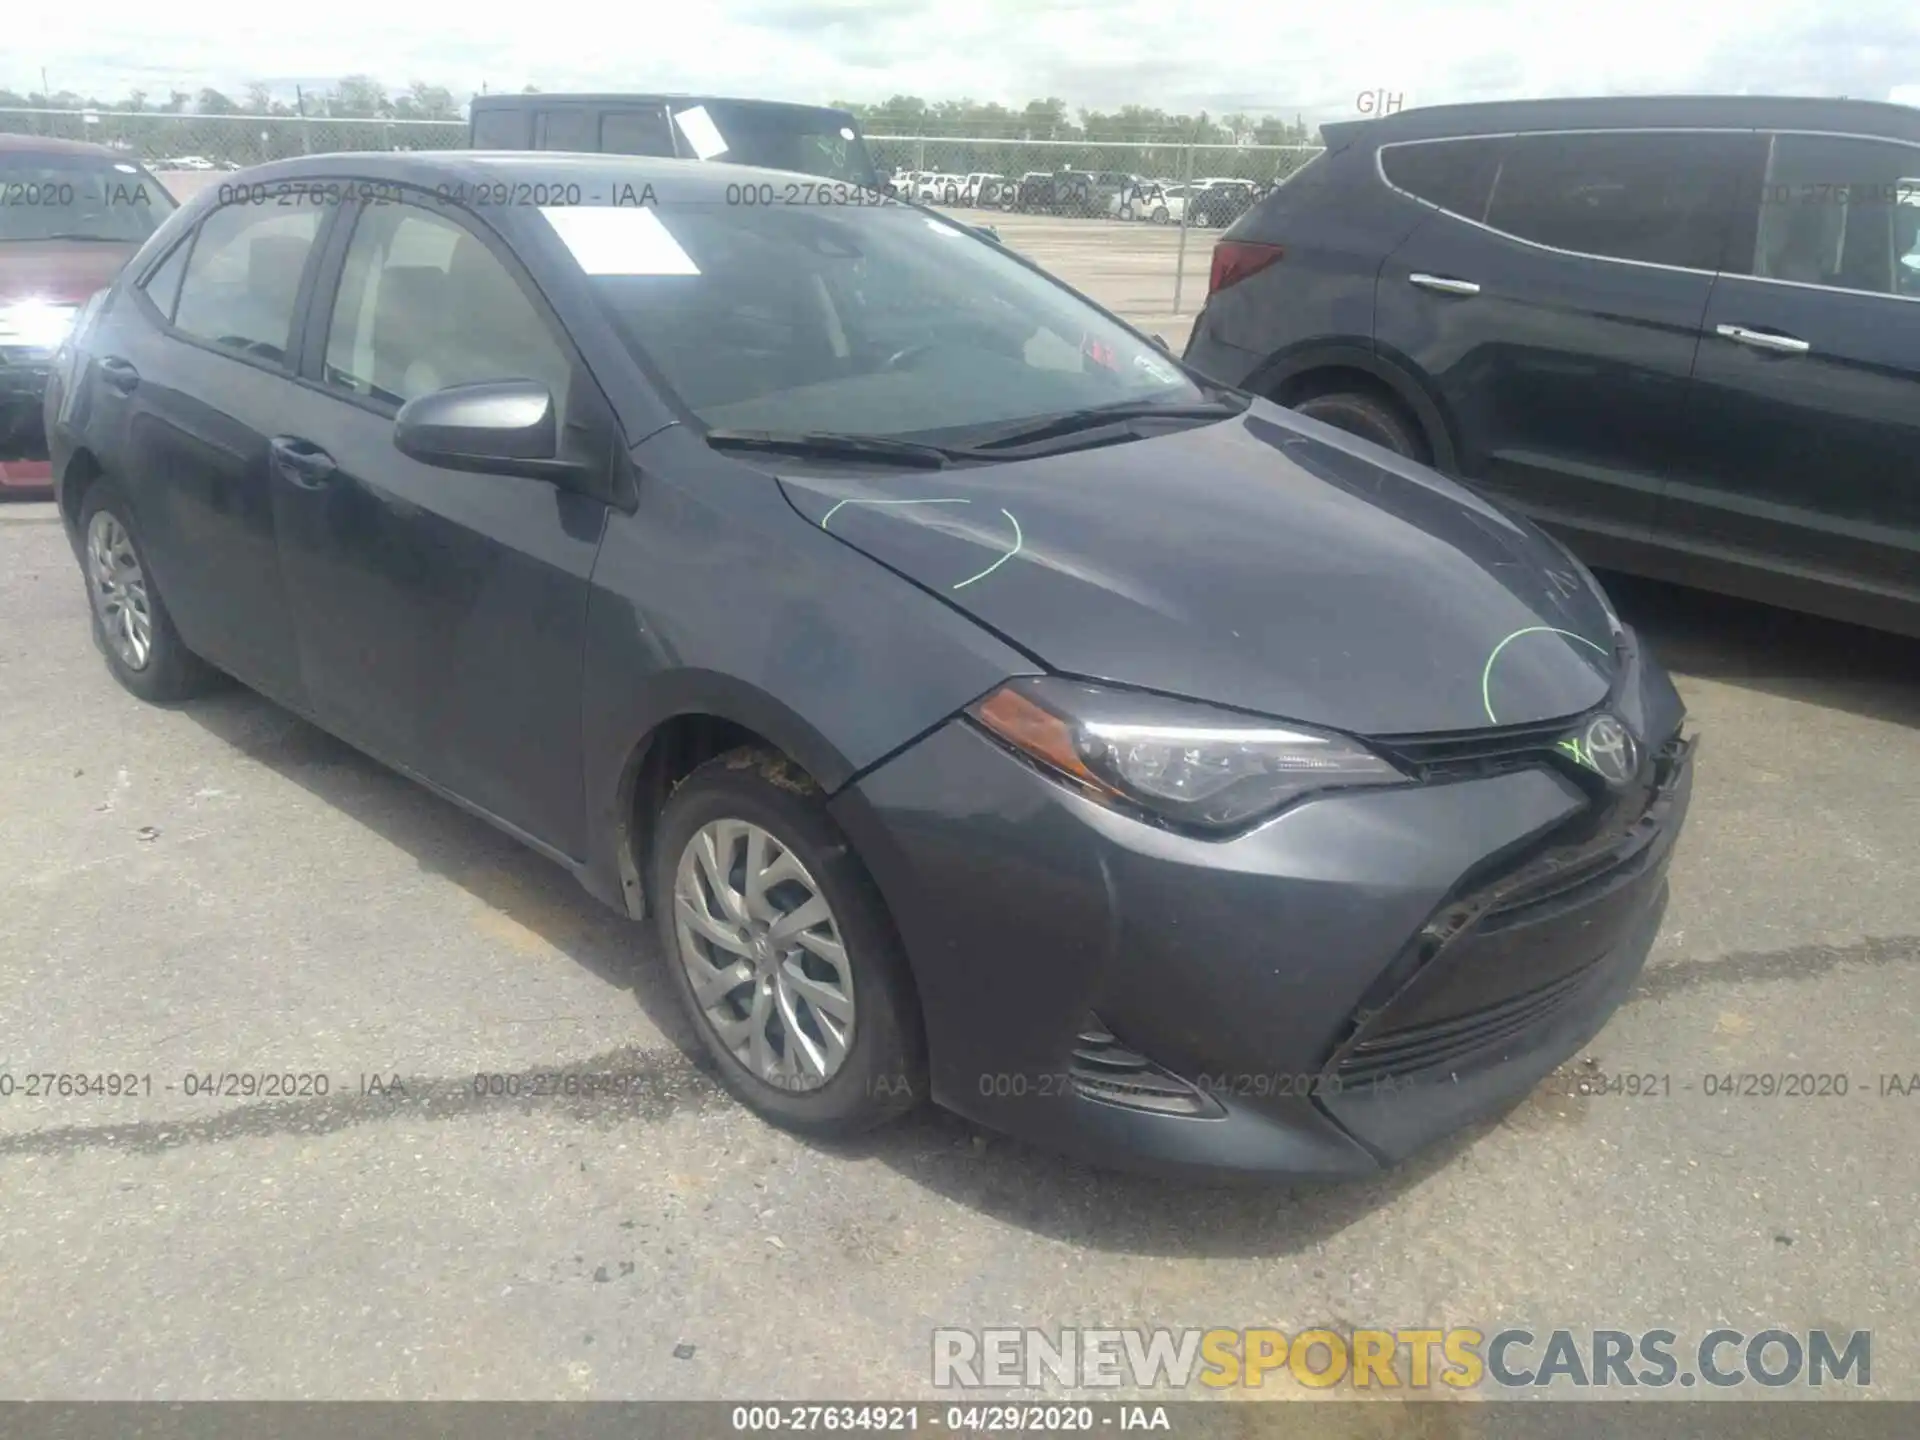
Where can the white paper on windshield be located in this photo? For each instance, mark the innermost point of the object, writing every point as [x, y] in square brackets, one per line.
[619, 240]
[701, 132]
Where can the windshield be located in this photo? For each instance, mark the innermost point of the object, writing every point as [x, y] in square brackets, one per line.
[870, 320]
[78, 197]
[811, 142]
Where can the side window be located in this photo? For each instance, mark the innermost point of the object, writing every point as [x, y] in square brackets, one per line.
[163, 285]
[1841, 212]
[572, 129]
[243, 277]
[637, 132]
[424, 304]
[1654, 197]
[500, 130]
[1456, 175]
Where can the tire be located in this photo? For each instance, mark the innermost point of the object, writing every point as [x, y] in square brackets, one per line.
[168, 671]
[1126, 212]
[881, 1070]
[1367, 416]
[1160, 216]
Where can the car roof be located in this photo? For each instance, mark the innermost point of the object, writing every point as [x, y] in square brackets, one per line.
[534, 101]
[49, 145]
[694, 181]
[1626, 112]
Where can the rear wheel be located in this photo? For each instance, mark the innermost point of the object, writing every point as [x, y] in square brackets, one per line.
[1160, 215]
[130, 620]
[1368, 416]
[782, 950]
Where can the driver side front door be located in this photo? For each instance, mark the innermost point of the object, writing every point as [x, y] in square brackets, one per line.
[440, 614]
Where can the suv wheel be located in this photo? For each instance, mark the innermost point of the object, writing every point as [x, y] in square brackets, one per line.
[1367, 416]
[130, 621]
[782, 951]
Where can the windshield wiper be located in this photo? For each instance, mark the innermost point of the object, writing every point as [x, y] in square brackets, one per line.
[75, 235]
[827, 445]
[1098, 416]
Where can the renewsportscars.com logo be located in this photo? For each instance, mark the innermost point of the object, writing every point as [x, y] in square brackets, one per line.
[1411, 1359]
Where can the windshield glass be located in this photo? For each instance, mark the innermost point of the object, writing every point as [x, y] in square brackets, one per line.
[78, 197]
[871, 320]
[810, 142]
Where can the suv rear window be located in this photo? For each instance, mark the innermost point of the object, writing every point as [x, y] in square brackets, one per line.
[1456, 175]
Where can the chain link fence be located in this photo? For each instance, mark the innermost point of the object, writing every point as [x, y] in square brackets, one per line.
[1113, 218]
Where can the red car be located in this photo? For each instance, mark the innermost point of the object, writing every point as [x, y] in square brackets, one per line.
[70, 216]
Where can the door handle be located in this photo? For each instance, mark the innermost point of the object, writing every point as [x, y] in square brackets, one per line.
[1763, 339]
[1444, 284]
[119, 374]
[302, 462]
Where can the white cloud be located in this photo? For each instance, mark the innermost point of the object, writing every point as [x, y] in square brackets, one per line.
[1175, 54]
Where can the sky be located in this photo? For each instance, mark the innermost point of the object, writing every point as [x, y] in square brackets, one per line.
[1177, 55]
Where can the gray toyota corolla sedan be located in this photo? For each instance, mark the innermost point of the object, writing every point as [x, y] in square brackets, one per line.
[982, 705]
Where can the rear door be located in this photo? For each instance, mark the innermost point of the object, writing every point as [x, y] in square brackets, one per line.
[198, 366]
[440, 613]
[1808, 385]
[1554, 297]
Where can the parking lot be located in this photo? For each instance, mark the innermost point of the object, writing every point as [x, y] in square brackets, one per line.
[220, 888]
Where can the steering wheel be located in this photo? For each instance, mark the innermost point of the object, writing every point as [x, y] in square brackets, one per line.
[903, 359]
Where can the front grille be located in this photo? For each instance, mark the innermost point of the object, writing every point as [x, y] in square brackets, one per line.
[1103, 1069]
[1463, 754]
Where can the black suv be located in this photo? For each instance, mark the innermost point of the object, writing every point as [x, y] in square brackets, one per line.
[1681, 331]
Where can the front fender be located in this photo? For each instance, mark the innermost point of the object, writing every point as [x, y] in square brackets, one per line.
[1272, 375]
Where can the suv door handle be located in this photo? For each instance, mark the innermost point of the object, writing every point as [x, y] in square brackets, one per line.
[1444, 284]
[119, 374]
[302, 462]
[1763, 339]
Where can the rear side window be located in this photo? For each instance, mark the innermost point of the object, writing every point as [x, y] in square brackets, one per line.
[500, 130]
[567, 130]
[637, 132]
[1456, 175]
[1656, 197]
[243, 278]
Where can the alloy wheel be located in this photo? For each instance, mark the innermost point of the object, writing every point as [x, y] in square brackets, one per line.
[764, 955]
[118, 587]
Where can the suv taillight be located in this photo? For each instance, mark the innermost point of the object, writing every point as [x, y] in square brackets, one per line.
[1235, 260]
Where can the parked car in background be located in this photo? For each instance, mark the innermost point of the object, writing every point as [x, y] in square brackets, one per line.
[809, 139]
[1682, 332]
[1057, 192]
[1217, 203]
[70, 216]
[853, 648]
[982, 189]
[188, 162]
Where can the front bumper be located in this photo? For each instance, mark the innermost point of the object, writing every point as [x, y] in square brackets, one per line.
[1341, 987]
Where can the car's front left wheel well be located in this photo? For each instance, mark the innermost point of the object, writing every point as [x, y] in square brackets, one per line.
[673, 751]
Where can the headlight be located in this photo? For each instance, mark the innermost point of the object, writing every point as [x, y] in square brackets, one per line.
[1188, 763]
[36, 324]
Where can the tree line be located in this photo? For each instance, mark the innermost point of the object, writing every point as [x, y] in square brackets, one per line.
[362, 97]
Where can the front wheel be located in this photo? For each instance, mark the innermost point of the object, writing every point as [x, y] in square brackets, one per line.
[1366, 416]
[1160, 216]
[782, 951]
[130, 621]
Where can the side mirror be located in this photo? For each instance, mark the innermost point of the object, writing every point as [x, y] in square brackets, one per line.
[502, 427]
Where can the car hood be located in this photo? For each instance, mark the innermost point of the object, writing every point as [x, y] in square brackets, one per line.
[1267, 563]
[59, 270]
